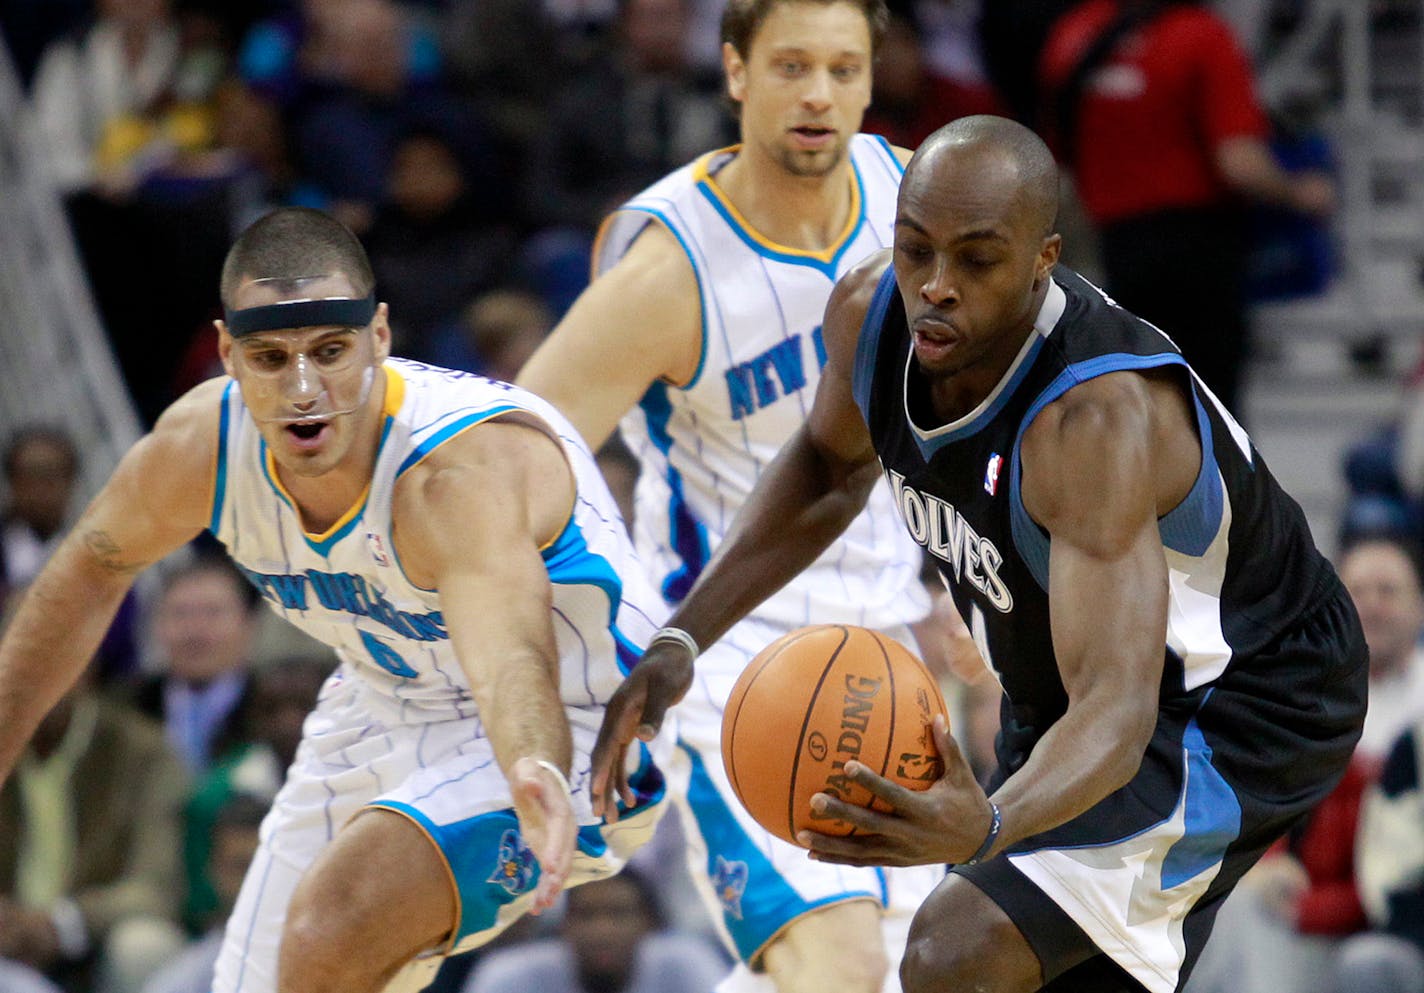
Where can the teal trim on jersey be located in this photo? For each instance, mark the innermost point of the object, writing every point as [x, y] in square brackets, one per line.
[686, 534]
[757, 902]
[491, 867]
[1191, 526]
[827, 268]
[220, 474]
[324, 546]
[867, 343]
[1029, 538]
[626, 652]
[890, 153]
[571, 563]
[648, 784]
[696, 274]
[449, 431]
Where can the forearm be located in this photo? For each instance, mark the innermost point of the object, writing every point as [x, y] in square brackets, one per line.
[54, 634]
[1080, 760]
[523, 714]
[801, 504]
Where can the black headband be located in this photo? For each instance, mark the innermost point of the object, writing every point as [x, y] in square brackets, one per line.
[328, 312]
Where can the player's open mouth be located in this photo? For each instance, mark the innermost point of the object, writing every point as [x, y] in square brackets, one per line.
[812, 135]
[307, 434]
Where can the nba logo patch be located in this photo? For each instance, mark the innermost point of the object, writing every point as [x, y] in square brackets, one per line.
[991, 473]
[730, 881]
[378, 548]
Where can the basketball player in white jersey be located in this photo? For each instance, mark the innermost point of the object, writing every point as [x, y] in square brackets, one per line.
[701, 332]
[452, 539]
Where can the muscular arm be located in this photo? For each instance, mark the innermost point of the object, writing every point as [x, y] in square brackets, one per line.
[810, 492]
[1094, 472]
[636, 324]
[157, 500]
[504, 490]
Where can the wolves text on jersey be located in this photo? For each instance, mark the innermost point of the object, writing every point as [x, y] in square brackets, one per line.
[942, 529]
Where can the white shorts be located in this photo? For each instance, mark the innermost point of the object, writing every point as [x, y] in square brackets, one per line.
[755, 884]
[443, 776]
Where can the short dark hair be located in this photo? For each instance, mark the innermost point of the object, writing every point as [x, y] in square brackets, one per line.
[49, 434]
[292, 242]
[218, 564]
[742, 19]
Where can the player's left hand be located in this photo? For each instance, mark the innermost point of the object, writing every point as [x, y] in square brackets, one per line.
[945, 823]
[550, 829]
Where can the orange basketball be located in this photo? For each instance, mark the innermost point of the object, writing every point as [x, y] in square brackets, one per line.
[811, 701]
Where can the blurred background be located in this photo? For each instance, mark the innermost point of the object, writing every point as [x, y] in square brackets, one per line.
[1268, 212]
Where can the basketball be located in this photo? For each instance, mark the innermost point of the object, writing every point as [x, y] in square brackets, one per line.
[813, 700]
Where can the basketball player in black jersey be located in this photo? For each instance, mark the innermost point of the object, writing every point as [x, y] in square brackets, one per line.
[1184, 674]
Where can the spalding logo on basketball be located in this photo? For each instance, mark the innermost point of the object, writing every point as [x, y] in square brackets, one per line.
[815, 699]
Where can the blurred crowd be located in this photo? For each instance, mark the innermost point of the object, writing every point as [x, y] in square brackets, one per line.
[474, 146]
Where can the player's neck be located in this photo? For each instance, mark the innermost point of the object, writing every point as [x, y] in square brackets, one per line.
[804, 212]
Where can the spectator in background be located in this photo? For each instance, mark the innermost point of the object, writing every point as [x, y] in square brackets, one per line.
[90, 828]
[282, 695]
[230, 845]
[203, 623]
[29, 27]
[1390, 958]
[41, 467]
[1285, 926]
[910, 100]
[1011, 36]
[613, 940]
[496, 334]
[634, 116]
[435, 244]
[1154, 112]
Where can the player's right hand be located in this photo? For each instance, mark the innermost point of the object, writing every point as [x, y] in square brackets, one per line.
[660, 679]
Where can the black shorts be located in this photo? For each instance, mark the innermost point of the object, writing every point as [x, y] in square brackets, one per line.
[1123, 896]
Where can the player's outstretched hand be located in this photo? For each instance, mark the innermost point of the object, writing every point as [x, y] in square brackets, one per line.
[659, 680]
[945, 823]
[547, 821]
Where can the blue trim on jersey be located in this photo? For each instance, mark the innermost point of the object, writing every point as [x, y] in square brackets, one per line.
[696, 274]
[756, 901]
[1191, 526]
[625, 652]
[449, 431]
[1213, 814]
[827, 268]
[687, 535]
[571, 563]
[867, 343]
[647, 782]
[928, 446]
[488, 872]
[324, 546]
[220, 475]
[1029, 538]
[890, 153]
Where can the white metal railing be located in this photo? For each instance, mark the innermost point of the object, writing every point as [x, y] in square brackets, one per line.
[56, 365]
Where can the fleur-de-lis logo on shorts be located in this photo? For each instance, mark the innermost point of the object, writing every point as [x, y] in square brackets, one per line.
[729, 879]
[515, 865]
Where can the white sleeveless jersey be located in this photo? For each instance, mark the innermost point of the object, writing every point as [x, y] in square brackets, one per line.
[346, 587]
[702, 447]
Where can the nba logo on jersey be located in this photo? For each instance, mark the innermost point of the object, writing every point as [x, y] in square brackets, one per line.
[730, 881]
[378, 549]
[991, 473]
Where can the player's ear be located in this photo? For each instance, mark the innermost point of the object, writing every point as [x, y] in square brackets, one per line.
[381, 329]
[736, 72]
[1047, 258]
[224, 346]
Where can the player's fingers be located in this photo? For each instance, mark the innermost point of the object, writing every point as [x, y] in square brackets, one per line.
[620, 723]
[892, 793]
[826, 807]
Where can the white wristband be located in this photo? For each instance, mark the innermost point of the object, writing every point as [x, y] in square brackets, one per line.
[678, 635]
[558, 774]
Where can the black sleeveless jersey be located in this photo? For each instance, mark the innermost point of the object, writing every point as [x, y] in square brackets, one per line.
[1243, 567]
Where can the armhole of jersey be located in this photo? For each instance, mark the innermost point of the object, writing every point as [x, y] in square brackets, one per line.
[662, 219]
[867, 344]
[1192, 525]
[889, 151]
[220, 460]
[1029, 537]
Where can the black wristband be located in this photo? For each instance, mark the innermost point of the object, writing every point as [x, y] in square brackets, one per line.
[996, 821]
